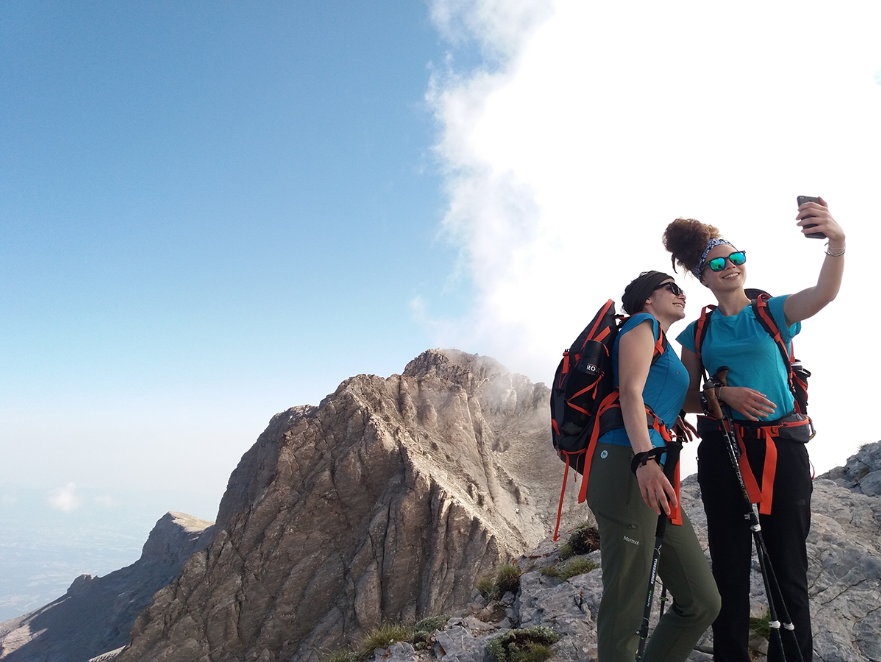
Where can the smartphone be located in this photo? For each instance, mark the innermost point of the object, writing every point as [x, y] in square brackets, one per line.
[801, 200]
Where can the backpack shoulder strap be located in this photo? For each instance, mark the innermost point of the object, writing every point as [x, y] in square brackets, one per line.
[700, 330]
[763, 315]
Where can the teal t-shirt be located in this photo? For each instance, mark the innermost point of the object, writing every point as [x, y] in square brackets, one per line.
[753, 359]
[665, 386]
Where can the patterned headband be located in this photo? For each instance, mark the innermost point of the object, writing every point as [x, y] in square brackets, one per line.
[711, 244]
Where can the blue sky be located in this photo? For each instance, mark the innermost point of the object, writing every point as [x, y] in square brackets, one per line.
[207, 204]
[210, 212]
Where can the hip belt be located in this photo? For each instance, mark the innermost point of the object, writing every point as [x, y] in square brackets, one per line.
[792, 427]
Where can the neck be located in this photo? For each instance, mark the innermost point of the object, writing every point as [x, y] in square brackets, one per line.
[731, 303]
[665, 322]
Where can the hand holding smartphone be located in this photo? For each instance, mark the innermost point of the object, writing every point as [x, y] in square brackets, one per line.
[801, 200]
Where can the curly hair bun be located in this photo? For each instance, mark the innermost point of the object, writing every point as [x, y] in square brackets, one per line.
[686, 239]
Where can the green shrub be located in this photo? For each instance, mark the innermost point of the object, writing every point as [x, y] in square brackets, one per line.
[385, 636]
[566, 551]
[508, 579]
[528, 645]
[341, 656]
[578, 566]
[424, 629]
[761, 627]
[486, 586]
[432, 623]
[863, 472]
[550, 571]
[584, 539]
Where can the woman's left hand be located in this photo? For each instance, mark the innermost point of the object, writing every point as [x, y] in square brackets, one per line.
[655, 488]
[817, 214]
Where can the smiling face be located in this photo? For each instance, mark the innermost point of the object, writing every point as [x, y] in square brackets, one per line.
[663, 303]
[732, 276]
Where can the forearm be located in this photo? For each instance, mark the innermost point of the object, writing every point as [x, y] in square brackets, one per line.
[633, 412]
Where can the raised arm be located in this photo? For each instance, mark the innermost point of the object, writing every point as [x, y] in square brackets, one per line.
[808, 302]
[635, 351]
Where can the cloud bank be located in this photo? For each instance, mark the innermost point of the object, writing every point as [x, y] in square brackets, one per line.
[588, 127]
[65, 498]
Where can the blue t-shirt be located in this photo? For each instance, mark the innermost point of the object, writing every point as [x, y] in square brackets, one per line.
[665, 386]
[753, 359]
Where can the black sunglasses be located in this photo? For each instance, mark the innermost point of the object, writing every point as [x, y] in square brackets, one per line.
[718, 263]
[673, 287]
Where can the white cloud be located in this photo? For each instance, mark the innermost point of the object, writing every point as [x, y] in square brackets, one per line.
[65, 498]
[597, 124]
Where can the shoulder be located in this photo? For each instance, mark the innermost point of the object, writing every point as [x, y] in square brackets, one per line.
[641, 318]
[776, 308]
[686, 337]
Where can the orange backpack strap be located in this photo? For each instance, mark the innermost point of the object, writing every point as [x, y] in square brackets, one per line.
[763, 315]
[701, 328]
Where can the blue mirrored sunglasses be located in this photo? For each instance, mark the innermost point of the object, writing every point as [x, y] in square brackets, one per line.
[718, 263]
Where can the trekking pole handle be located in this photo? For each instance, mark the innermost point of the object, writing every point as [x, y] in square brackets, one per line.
[710, 391]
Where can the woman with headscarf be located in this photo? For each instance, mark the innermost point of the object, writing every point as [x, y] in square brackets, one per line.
[766, 423]
[627, 497]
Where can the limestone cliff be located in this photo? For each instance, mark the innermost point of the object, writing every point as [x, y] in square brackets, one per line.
[386, 502]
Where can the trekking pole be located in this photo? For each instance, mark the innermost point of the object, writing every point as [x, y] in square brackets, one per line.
[673, 448]
[769, 578]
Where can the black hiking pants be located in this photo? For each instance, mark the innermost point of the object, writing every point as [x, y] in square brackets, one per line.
[730, 541]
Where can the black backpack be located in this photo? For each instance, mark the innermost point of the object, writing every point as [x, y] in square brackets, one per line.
[583, 383]
[584, 397]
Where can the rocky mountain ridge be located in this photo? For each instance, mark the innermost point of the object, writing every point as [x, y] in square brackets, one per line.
[389, 501]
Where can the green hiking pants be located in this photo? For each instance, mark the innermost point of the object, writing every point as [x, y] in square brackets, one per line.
[627, 536]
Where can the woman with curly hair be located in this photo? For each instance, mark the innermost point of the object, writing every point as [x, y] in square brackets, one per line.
[627, 496]
[766, 423]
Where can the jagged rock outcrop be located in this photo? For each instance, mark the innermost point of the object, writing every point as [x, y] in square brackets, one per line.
[96, 614]
[386, 502]
[862, 473]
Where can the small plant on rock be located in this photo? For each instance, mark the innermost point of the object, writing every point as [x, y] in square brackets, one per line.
[584, 539]
[425, 628]
[486, 586]
[341, 656]
[508, 579]
[761, 627]
[527, 645]
[384, 636]
[566, 551]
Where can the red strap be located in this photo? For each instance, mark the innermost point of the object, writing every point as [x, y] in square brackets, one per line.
[769, 470]
[752, 487]
[765, 496]
[562, 493]
[610, 402]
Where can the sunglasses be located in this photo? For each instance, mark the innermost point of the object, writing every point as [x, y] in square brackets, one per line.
[718, 263]
[673, 287]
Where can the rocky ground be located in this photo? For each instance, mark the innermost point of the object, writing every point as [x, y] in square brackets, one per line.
[844, 549]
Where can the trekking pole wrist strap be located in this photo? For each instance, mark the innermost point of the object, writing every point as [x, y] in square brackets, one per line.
[642, 459]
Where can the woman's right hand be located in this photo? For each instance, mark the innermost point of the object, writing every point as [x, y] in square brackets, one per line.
[654, 487]
[748, 401]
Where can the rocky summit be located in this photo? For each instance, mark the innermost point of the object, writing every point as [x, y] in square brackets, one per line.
[386, 502]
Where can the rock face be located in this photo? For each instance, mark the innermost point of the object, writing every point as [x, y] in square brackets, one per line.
[96, 613]
[386, 502]
[862, 473]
